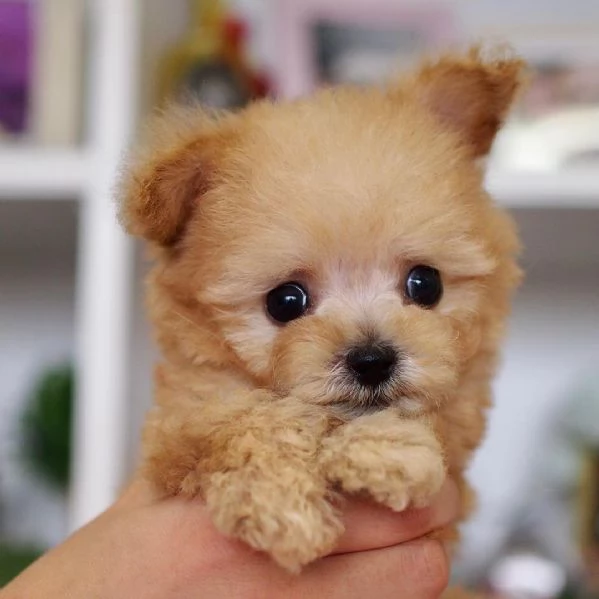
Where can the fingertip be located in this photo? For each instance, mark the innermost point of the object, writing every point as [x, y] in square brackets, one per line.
[371, 526]
[416, 569]
[428, 562]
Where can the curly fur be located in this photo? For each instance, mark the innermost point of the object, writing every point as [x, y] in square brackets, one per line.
[343, 191]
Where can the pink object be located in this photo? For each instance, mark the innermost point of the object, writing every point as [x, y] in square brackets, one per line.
[296, 69]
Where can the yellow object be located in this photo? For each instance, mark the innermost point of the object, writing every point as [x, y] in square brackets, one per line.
[588, 500]
[208, 63]
[202, 43]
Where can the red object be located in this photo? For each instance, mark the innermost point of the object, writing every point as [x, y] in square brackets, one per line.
[261, 84]
[235, 35]
[235, 32]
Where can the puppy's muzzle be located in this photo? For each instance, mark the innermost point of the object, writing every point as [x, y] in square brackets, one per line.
[372, 365]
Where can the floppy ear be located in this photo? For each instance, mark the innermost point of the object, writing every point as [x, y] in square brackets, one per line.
[162, 184]
[470, 94]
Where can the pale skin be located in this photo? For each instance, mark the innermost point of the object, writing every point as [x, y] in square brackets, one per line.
[168, 549]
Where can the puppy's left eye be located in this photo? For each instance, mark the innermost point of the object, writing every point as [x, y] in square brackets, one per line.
[287, 302]
[423, 286]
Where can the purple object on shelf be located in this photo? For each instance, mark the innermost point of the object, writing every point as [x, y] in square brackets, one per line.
[15, 64]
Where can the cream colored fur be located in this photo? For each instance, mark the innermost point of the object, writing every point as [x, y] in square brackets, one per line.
[343, 191]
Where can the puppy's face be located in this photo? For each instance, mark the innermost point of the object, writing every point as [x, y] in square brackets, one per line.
[341, 248]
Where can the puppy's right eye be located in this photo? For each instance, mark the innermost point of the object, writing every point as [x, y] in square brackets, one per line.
[424, 286]
[287, 302]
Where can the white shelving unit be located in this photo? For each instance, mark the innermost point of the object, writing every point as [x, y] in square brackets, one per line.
[104, 272]
[103, 277]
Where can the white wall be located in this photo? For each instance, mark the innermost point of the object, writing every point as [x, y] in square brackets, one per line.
[475, 18]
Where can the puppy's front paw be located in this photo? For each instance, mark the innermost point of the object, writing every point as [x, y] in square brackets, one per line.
[397, 462]
[287, 515]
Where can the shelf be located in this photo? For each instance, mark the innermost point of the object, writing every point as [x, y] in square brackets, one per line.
[41, 174]
[572, 188]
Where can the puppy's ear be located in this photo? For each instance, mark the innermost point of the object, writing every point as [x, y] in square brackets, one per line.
[471, 94]
[164, 181]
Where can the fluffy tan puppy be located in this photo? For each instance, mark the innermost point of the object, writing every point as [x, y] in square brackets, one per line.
[329, 293]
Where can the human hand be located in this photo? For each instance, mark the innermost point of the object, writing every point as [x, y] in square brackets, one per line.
[168, 549]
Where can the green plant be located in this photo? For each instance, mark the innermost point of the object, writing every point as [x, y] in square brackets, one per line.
[46, 431]
[13, 560]
[47, 424]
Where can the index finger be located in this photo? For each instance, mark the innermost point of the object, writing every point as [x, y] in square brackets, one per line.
[370, 526]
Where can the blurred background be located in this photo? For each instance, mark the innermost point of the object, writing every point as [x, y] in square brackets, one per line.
[77, 79]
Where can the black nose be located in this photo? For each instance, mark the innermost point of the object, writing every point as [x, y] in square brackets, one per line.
[372, 365]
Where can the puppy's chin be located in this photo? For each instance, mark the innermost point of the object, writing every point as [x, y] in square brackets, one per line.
[362, 404]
